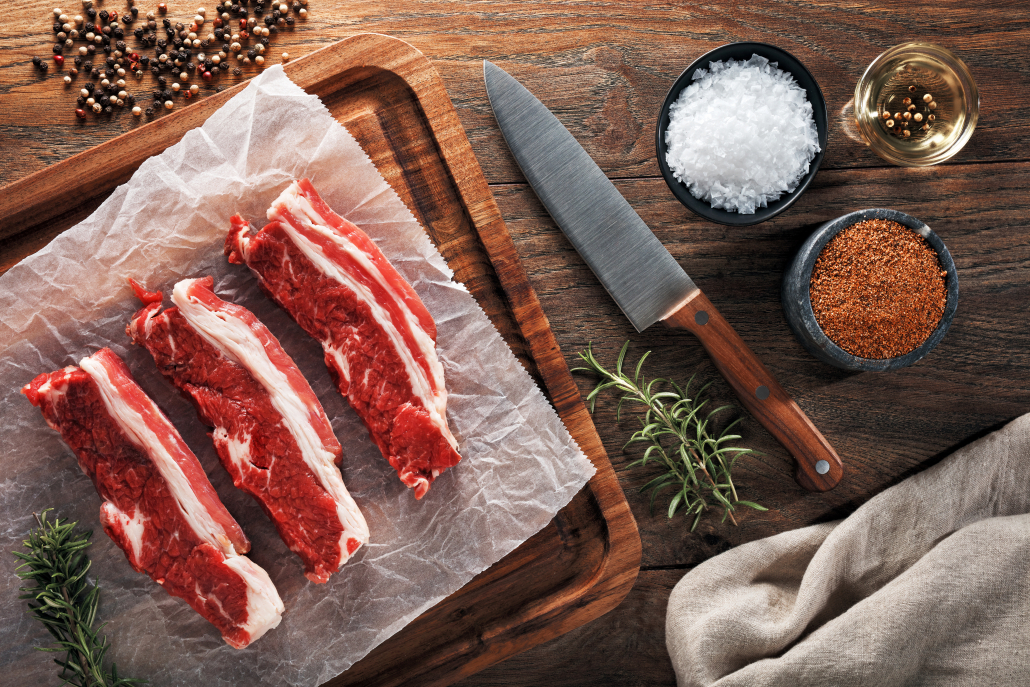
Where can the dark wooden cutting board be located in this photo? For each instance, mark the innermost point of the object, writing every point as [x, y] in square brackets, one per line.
[393, 101]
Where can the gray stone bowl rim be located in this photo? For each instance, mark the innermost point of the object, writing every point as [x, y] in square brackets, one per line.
[797, 302]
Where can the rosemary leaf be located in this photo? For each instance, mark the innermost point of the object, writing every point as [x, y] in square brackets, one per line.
[66, 603]
[679, 434]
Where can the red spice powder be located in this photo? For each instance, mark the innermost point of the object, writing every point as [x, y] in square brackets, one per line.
[878, 290]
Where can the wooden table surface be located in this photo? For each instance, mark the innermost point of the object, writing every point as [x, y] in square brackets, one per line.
[604, 69]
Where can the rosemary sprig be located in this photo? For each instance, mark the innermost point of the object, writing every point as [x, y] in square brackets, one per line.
[695, 457]
[66, 603]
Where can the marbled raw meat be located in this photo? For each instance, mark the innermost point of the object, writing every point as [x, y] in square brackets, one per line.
[379, 339]
[270, 431]
[159, 506]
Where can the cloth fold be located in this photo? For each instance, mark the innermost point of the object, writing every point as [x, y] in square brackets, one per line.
[928, 583]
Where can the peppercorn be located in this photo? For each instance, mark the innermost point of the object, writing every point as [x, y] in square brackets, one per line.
[37, 61]
[59, 60]
[149, 111]
[58, 48]
[89, 87]
[265, 41]
[138, 32]
[91, 13]
[289, 21]
[296, 6]
[162, 8]
[169, 104]
[224, 66]
[258, 10]
[104, 15]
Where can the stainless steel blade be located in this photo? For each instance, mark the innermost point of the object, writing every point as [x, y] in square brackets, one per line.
[632, 264]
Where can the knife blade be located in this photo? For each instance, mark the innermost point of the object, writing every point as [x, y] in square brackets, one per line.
[639, 273]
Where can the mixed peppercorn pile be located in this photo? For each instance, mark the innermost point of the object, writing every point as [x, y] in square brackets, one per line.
[239, 31]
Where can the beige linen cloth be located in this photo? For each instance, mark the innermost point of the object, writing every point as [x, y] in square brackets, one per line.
[926, 584]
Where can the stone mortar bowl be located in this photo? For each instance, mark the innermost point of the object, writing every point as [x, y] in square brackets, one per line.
[797, 303]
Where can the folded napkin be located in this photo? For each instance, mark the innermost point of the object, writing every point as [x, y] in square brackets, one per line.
[926, 584]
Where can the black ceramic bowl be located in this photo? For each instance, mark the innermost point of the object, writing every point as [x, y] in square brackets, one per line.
[797, 303]
[743, 51]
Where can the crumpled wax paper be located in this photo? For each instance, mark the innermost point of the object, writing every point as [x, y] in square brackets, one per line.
[519, 465]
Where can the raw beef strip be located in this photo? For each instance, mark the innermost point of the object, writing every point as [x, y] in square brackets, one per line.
[269, 429]
[379, 339]
[159, 506]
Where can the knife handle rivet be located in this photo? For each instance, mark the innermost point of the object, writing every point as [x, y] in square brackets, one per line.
[762, 393]
[822, 467]
[701, 317]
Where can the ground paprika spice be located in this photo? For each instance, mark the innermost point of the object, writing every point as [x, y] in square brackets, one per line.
[878, 290]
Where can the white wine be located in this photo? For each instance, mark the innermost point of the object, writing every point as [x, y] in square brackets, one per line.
[916, 104]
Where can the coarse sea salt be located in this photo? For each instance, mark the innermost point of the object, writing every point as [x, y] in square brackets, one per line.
[741, 135]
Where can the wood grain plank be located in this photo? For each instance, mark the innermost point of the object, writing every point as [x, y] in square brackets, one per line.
[604, 68]
[885, 426]
[625, 647]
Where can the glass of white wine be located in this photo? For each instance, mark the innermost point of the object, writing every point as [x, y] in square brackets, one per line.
[917, 104]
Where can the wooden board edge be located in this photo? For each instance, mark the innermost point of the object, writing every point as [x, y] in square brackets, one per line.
[453, 143]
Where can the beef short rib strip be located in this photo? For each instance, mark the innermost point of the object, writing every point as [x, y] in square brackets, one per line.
[270, 431]
[379, 339]
[159, 506]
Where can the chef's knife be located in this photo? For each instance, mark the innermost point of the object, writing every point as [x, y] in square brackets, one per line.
[639, 273]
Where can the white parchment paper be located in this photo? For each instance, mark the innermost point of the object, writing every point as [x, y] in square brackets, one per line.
[519, 467]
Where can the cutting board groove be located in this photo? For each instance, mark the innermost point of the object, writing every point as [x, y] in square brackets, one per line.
[394, 102]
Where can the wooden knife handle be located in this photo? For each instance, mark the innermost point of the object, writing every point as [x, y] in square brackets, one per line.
[818, 465]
